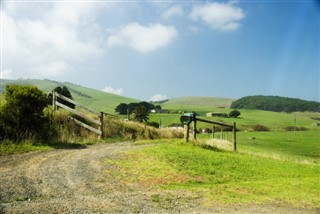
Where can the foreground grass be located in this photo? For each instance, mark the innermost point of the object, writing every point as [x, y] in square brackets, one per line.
[10, 147]
[224, 177]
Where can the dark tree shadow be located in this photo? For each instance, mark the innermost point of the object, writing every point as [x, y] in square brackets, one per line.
[67, 145]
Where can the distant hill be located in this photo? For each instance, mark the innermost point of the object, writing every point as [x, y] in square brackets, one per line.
[197, 103]
[96, 99]
[275, 103]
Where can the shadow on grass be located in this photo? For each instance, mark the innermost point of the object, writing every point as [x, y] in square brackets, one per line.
[209, 147]
[66, 145]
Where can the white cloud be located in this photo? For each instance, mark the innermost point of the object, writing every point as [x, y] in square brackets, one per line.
[143, 38]
[158, 97]
[7, 74]
[219, 16]
[51, 41]
[52, 69]
[112, 90]
[174, 11]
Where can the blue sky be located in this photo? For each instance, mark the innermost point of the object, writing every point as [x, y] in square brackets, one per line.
[164, 49]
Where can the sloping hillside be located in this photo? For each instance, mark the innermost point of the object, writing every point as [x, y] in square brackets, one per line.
[95, 99]
[275, 103]
[197, 103]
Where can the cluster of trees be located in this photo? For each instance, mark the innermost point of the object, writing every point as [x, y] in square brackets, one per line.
[275, 103]
[124, 108]
[139, 111]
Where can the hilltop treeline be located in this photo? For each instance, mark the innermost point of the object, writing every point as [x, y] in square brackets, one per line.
[275, 103]
[123, 108]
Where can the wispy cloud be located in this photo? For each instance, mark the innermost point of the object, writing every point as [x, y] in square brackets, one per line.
[174, 11]
[158, 97]
[112, 90]
[219, 16]
[6, 74]
[50, 41]
[143, 38]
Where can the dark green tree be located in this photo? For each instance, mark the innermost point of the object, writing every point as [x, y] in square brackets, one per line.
[22, 114]
[122, 108]
[140, 114]
[234, 113]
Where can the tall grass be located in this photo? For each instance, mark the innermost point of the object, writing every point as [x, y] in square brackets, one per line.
[130, 130]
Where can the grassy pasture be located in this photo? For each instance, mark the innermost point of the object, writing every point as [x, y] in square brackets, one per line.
[197, 103]
[275, 121]
[222, 177]
[300, 146]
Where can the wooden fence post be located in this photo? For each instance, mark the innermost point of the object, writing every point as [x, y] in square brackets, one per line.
[102, 125]
[213, 130]
[234, 133]
[54, 99]
[186, 132]
[195, 129]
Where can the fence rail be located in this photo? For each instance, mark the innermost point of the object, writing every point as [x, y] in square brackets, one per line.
[99, 122]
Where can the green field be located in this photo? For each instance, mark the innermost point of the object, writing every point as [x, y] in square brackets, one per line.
[300, 146]
[197, 103]
[221, 176]
[275, 121]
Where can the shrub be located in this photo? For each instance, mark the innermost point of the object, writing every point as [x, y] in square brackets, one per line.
[153, 124]
[261, 128]
[22, 114]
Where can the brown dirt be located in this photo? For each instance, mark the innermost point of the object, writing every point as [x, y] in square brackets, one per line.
[82, 181]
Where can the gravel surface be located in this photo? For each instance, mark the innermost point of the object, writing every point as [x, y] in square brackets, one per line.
[81, 181]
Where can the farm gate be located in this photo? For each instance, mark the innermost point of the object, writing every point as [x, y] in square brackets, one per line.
[187, 118]
[97, 122]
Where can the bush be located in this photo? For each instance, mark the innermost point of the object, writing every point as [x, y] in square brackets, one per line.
[153, 124]
[261, 128]
[22, 114]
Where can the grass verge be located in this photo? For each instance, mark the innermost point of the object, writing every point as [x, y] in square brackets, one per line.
[222, 177]
[10, 147]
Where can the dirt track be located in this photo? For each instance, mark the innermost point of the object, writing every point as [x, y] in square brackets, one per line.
[80, 181]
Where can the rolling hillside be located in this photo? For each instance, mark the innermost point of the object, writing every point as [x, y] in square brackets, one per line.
[197, 103]
[275, 103]
[95, 99]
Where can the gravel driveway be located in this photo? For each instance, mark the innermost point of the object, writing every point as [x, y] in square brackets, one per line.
[80, 181]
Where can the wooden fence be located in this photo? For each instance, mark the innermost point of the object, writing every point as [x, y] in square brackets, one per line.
[233, 126]
[98, 123]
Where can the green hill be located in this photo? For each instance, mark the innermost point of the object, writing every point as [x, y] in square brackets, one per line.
[98, 100]
[197, 103]
[275, 103]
